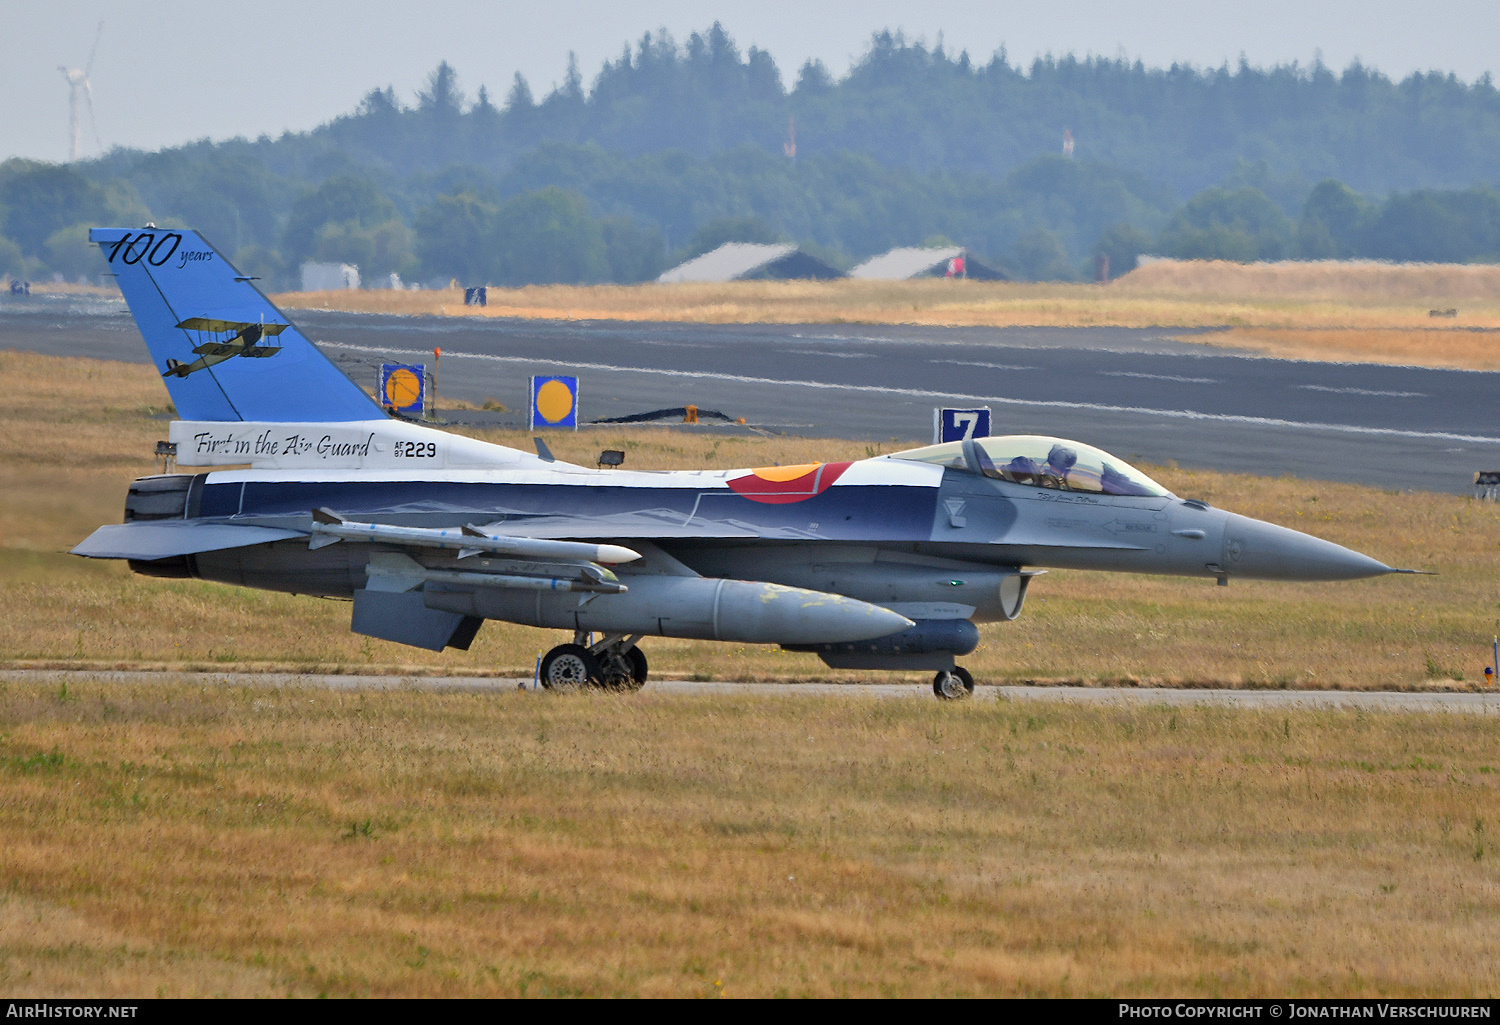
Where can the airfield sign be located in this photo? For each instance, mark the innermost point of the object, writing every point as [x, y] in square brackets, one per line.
[554, 402]
[403, 387]
[958, 424]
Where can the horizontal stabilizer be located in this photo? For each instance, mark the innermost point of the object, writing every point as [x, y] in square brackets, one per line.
[405, 619]
[162, 539]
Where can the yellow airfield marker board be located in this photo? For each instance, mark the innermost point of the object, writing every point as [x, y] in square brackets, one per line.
[554, 402]
[403, 387]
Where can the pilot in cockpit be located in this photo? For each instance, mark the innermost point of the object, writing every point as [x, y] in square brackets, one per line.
[1060, 460]
[1051, 474]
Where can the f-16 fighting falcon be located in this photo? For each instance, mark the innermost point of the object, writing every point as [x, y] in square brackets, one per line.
[883, 563]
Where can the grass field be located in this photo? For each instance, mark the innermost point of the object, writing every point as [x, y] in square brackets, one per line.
[1428, 347]
[175, 840]
[79, 430]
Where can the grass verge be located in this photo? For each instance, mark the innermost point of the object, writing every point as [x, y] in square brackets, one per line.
[176, 840]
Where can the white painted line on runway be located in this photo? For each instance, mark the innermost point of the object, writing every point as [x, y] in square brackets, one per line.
[974, 363]
[927, 393]
[844, 338]
[1159, 377]
[1364, 391]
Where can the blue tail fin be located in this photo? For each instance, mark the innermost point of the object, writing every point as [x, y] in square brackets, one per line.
[225, 352]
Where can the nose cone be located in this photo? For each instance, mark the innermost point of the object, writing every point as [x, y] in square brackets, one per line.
[1264, 551]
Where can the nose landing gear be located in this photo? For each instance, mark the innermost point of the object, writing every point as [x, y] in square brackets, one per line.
[953, 686]
[615, 663]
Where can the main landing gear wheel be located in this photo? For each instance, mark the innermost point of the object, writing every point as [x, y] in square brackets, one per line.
[569, 666]
[622, 670]
[954, 686]
[638, 668]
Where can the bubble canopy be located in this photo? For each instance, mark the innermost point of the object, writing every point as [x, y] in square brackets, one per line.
[1043, 462]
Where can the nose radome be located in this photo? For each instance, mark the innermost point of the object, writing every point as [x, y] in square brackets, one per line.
[1254, 548]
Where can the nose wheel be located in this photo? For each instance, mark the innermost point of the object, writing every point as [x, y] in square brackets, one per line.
[953, 686]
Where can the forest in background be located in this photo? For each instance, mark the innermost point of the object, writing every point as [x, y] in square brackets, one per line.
[674, 148]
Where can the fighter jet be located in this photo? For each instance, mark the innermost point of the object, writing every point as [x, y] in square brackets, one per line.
[883, 564]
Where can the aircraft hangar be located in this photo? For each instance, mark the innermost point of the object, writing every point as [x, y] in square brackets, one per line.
[748, 261]
[906, 262]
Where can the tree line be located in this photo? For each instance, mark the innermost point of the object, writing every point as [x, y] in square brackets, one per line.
[910, 104]
[580, 215]
[675, 149]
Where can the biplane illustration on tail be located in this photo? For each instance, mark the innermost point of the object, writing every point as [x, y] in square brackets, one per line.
[242, 342]
[884, 563]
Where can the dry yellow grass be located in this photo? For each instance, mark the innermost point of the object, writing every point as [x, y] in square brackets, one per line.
[1190, 294]
[934, 302]
[175, 840]
[1336, 280]
[79, 430]
[1428, 347]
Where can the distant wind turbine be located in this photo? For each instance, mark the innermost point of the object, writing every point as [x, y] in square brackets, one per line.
[78, 82]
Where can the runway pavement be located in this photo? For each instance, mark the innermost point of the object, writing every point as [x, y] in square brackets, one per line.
[1141, 394]
[1391, 701]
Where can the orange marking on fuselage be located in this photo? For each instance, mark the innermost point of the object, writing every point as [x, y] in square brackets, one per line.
[781, 474]
[791, 483]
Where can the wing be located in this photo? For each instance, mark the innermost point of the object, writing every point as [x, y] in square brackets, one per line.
[223, 321]
[225, 349]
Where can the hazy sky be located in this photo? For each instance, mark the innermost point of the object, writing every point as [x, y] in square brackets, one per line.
[171, 71]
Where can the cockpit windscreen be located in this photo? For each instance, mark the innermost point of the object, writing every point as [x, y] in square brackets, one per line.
[1044, 463]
